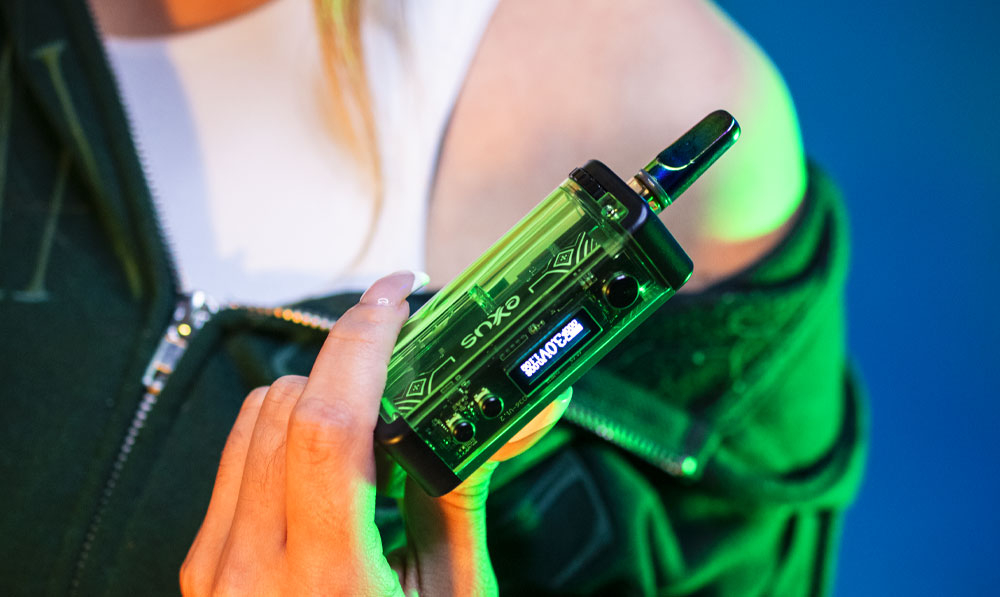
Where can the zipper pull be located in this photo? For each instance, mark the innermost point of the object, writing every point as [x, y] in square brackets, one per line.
[190, 315]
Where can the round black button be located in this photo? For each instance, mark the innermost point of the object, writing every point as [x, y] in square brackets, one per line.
[463, 430]
[491, 405]
[621, 290]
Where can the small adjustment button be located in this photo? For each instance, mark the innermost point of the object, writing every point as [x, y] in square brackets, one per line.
[621, 290]
[462, 430]
[491, 405]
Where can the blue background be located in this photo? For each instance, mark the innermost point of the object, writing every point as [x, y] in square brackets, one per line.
[898, 99]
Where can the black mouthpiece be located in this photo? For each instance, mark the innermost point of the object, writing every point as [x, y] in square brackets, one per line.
[679, 165]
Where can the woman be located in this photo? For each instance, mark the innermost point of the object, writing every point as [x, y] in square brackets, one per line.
[118, 478]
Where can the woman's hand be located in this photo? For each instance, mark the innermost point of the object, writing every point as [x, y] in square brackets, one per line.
[292, 511]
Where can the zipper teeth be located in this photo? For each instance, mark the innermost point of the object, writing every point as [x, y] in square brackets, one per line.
[149, 397]
[678, 465]
[157, 225]
[155, 379]
[138, 421]
[296, 316]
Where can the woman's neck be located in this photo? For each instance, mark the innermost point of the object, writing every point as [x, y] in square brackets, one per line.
[145, 18]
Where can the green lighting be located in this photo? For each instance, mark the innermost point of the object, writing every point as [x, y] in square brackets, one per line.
[758, 184]
[689, 465]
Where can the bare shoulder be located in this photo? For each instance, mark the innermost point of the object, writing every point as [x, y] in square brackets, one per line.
[558, 82]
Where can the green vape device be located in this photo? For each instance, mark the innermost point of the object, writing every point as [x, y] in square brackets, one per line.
[562, 288]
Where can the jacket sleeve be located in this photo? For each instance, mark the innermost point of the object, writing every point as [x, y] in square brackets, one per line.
[724, 465]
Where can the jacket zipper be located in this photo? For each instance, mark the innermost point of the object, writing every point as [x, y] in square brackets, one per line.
[190, 315]
[174, 341]
[678, 465]
[160, 236]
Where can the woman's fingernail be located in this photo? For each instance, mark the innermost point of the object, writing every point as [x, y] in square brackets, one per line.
[420, 279]
[391, 290]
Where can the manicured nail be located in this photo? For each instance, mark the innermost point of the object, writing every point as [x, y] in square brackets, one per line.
[420, 279]
[391, 290]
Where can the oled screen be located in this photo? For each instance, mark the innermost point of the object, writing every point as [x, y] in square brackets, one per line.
[556, 346]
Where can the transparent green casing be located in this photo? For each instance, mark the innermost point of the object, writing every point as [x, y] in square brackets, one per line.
[582, 254]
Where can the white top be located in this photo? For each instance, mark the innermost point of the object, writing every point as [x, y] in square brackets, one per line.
[259, 201]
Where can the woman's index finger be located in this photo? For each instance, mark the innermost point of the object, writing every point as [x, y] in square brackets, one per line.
[329, 456]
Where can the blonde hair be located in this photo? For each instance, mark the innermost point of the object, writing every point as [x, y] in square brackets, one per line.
[351, 107]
